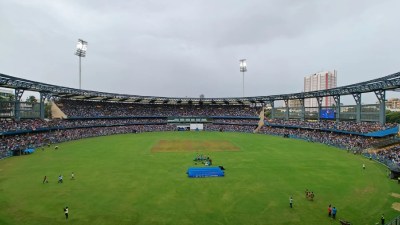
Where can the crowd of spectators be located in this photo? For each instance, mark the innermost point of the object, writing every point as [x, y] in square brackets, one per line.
[230, 128]
[77, 108]
[236, 121]
[350, 126]
[345, 141]
[39, 139]
[34, 124]
[29, 124]
[103, 118]
[389, 155]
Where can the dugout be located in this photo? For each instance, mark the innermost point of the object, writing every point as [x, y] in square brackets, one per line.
[394, 174]
[183, 127]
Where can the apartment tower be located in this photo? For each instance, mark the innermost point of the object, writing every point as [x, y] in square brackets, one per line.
[320, 81]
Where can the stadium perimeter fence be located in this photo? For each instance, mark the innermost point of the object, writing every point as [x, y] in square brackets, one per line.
[395, 221]
[387, 162]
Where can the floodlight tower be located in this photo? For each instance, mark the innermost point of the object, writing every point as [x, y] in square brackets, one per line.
[81, 48]
[243, 68]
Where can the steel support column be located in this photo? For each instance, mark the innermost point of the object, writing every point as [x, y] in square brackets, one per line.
[336, 98]
[43, 97]
[381, 96]
[17, 103]
[319, 101]
[272, 109]
[357, 99]
[303, 109]
[287, 109]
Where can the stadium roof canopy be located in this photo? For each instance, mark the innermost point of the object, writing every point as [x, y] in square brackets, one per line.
[390, 82]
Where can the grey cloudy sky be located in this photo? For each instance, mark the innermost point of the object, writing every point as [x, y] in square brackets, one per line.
[187, 48]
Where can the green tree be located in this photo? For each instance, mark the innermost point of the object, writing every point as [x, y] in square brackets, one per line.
[47, 110]
[267, 113]
[392, 117]
[31, 99]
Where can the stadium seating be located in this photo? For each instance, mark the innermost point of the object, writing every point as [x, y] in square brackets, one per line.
[94, 118]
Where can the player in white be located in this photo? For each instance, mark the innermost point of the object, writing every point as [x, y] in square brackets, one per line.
[60, 179]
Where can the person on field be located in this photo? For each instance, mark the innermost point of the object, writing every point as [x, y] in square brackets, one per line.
[383, 220]
[45, 180]
[312, 196]
[66, 212]
[364, 166]
[329, 210]
[291, 202]
[60, 179]
[334, 211]
[72, 176]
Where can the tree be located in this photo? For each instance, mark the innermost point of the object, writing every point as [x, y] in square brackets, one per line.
[31, 99]
[267, 113]
[392, 117]
[47, 110]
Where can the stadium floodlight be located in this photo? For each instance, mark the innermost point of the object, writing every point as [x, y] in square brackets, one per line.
[81, 48]
[243, 68]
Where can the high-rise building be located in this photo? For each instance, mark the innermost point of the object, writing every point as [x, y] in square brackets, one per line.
[320, 81]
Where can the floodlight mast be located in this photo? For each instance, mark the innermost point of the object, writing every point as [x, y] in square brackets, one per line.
[243, 68]
[81, 48]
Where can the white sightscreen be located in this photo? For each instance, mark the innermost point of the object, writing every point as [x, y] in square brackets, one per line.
[196, 126]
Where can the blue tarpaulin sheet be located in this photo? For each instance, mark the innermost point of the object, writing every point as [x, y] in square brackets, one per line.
[28, 151]
[196, 172]
[383, 133]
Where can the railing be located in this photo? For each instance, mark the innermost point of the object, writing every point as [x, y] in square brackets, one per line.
[390, 164]
[326, 129]
[385, 143]
[395, 221]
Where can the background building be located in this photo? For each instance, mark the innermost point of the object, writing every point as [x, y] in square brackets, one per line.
[295, 103]
[393, 104]
[320, 81]
[6, 94]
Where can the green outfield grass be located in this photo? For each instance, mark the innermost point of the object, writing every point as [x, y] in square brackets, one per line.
[120, 180]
